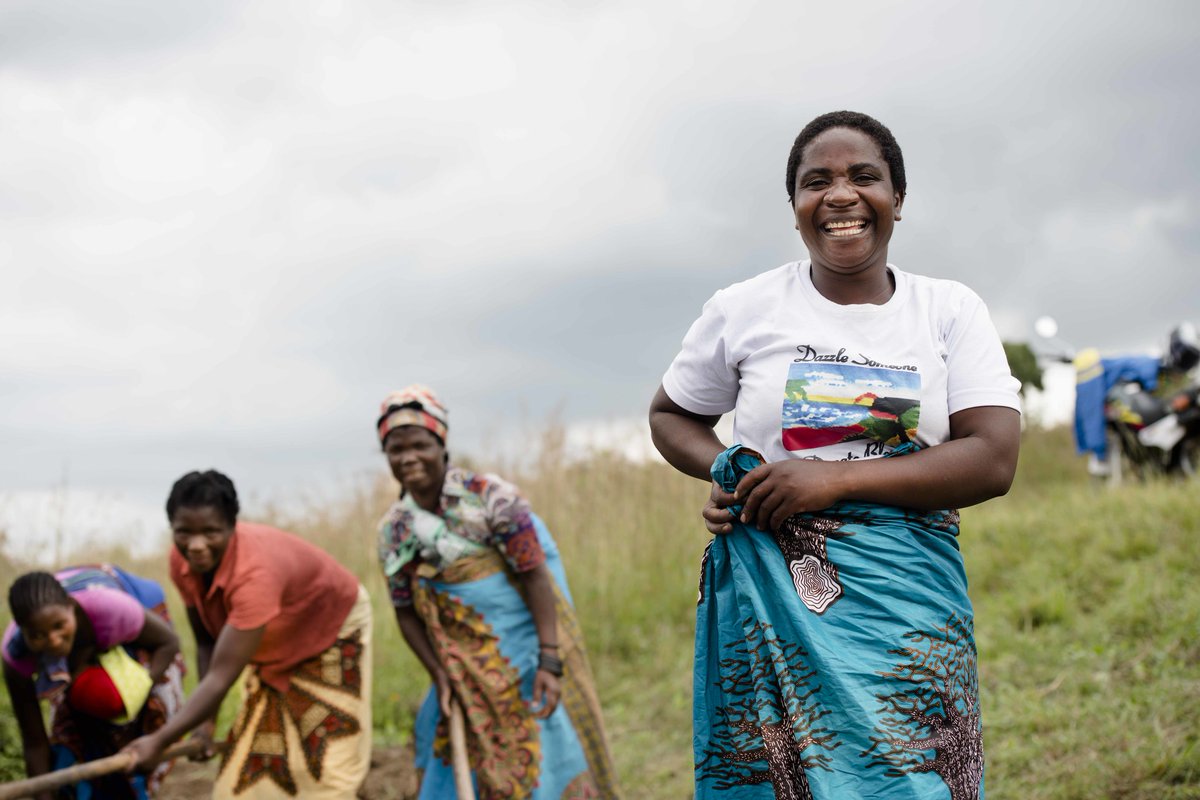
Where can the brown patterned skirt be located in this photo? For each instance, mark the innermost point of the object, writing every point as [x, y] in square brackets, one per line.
[314, 740]
[474, 613]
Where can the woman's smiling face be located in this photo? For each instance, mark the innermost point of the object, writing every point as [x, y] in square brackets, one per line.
[51, 630]
[845, 203]
[201, 536]
[417, 459]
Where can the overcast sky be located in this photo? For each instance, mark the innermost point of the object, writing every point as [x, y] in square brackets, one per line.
[229, 228]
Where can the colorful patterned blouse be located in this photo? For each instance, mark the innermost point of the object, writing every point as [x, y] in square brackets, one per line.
[475, 512]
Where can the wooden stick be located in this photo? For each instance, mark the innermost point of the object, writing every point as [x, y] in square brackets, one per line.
[458, 751]
[88, 770]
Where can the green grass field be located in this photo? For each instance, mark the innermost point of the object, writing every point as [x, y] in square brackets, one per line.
[1087, 608]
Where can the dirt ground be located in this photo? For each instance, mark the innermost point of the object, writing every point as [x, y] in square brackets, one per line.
[391, 777]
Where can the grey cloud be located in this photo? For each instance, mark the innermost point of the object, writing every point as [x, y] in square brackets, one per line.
[57, 38]
[1012, 117]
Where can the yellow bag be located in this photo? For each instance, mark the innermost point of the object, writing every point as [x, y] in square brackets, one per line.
[131, 679]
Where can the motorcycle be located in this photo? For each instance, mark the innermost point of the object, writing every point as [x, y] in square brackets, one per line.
[1149, 435]
[1126, 429]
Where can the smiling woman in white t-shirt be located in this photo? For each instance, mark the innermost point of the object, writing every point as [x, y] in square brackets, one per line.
[869, 403]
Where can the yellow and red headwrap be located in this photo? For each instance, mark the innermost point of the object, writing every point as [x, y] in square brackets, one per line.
[413, 405]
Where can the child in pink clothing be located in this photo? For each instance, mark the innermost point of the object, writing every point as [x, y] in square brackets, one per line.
[62, 625]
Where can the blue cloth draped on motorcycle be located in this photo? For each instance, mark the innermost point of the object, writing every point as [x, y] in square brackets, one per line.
[1094, 376]
[836, 658]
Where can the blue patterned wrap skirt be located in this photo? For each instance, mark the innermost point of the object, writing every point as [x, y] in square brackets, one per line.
[836, 657]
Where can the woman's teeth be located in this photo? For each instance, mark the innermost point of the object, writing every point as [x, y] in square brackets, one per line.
[848, 228]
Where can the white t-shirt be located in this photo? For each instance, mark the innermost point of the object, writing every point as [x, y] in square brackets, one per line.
[809, 378]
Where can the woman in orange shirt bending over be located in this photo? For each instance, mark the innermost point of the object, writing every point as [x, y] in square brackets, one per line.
[262, 598]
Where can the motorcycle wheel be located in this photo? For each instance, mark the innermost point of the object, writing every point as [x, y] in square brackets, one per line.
[1128, 459]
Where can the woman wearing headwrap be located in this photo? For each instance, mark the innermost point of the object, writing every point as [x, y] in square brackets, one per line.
[97, 643]
[481, 598]
[279, 611]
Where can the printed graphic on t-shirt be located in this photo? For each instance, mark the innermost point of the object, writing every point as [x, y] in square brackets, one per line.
[830, 399]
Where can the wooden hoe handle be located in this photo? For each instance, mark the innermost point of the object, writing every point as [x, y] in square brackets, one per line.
[88, 770]
[458, 751]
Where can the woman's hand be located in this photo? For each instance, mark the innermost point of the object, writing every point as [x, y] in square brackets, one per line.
[204, 734]
[976, 464]
[147, 752]
[546, 692]
[716, 516]
[770, 493]
[441, 680]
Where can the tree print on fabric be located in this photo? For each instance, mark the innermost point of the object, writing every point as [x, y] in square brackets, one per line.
[931, 723]
[771, 718]
[802, 540]
[945, 520]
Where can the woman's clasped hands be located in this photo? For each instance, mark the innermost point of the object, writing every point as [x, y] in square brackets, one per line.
[770, 493]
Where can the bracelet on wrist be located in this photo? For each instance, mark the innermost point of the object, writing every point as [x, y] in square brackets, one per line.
[551, 664]
[548, 645]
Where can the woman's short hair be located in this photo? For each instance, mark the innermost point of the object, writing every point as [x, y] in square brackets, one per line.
[872, 127]
[33, 591]
[208, 488]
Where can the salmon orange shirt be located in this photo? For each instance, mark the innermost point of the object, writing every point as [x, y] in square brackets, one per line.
[268, 577]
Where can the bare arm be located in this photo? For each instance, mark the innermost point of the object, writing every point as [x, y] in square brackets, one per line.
[25, 707]
[157, 637]
[204, 649]
[232, 652]
[688, 442]
[539, 595]
[977, 463]
[412, 628]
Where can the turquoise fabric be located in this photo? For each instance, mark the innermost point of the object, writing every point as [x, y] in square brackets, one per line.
[836, 659]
